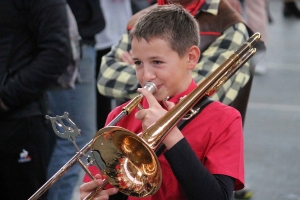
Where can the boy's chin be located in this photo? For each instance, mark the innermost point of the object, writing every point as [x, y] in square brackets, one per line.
[159, 98]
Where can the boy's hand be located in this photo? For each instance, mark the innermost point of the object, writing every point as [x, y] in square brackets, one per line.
[126, 57]
[87, 188]
[153, 114]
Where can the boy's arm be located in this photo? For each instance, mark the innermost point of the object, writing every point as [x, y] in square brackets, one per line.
[117, 79]
[217, 172]
[203, 185]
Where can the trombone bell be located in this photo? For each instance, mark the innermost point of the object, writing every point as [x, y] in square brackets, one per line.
[130, 164]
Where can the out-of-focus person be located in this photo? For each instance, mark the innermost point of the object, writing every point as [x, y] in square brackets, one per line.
[290, 8]
[223, 31]
[34, 53]
[257, 17]
[79, 102]
[116, 15]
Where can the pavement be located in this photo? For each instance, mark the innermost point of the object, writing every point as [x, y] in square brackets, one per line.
[272, 124]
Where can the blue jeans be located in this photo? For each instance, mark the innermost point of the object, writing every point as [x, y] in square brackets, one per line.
[80, 103]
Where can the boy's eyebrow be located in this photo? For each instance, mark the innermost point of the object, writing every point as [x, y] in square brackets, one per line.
[152, 58]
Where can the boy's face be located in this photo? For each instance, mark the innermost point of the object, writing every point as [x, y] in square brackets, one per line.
[156, 62]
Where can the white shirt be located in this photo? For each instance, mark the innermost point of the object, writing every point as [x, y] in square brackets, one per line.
[116, 14]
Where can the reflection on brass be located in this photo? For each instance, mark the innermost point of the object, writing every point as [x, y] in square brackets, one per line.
[131, 165]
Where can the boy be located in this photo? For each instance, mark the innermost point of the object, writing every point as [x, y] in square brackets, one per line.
[204, 160]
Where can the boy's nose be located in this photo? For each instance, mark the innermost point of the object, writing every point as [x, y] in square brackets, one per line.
[149, 74]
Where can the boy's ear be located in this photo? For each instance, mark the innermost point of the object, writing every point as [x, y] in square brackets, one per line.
[193, 57]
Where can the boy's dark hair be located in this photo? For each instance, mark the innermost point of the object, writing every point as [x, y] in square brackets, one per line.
[171, 23]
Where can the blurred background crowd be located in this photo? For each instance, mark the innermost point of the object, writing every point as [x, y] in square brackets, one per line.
[50, 57]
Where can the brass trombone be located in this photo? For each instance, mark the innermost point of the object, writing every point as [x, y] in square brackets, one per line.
[128, 160]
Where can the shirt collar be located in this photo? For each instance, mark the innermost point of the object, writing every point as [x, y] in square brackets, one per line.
[177, 97]
[193, 8]
[210, 6]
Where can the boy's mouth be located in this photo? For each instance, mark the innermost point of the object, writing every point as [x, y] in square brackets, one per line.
[158, 87]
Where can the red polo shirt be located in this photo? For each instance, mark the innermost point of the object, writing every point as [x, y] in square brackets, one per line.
[215, 135]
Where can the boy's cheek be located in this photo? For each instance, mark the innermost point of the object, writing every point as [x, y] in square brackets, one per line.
[139, 74]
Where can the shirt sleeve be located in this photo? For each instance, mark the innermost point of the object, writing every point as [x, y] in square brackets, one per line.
[220, 50]
[192, 175]
[117, 79]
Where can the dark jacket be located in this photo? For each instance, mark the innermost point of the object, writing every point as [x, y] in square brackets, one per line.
[34, 52]
[89, 17]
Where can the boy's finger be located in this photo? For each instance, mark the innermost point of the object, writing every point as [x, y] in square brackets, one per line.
[140, 115]
[90, 186]
[169, 105]
[150, 98]
[112, 191]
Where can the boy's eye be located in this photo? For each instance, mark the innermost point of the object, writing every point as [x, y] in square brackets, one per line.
[137, 63]
[157, 62]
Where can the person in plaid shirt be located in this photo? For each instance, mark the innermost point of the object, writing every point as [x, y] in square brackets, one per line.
[222, 31]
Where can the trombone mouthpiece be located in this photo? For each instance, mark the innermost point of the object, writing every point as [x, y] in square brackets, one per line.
[151, 87]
